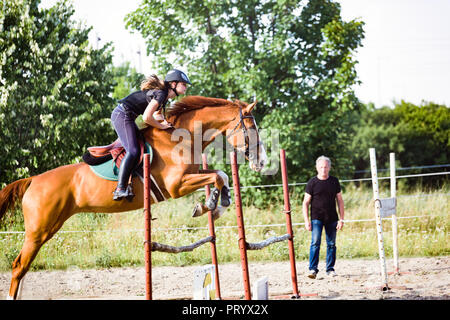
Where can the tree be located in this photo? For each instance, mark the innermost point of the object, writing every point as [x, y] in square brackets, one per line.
[419, 135]
[55, 89]
[295, 57]
[321, 103]
[127, 80]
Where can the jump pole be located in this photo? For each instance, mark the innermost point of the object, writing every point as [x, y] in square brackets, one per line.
[212, 234]
[244, 245]
[240, 223]
[287, 211]
[148, 229]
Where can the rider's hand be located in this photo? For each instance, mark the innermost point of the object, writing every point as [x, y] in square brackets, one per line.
[166, 125]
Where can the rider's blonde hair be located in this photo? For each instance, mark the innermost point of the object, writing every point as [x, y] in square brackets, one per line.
[152, 82]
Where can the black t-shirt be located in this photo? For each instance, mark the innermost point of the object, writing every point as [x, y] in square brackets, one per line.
[139, 100]
[323, 198]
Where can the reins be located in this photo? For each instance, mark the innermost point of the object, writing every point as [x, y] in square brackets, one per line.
[246, 148]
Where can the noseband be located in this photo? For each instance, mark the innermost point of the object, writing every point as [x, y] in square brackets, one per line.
[246, 148]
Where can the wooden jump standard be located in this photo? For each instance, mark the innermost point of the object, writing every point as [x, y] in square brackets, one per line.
[150, 246]
[244, 245]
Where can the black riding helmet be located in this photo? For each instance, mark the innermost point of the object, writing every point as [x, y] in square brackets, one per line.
[177, 75]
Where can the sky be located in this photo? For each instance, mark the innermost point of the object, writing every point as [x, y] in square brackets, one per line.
[405, 54]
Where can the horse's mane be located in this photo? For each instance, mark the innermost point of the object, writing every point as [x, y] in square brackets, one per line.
[196, 102]
[190, 103]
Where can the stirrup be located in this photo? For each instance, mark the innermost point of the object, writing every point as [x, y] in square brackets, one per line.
[130, 194]
[119, 194]
[127, 193]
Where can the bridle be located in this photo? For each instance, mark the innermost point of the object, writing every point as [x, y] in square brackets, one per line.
[246, 147]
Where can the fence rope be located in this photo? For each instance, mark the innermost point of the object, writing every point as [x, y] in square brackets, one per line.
[351, 180]
[409, 168]
[217, 227]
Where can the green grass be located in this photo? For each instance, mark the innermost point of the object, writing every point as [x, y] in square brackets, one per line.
[117, 240]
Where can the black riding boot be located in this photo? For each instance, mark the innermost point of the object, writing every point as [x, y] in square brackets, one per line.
[123, 189]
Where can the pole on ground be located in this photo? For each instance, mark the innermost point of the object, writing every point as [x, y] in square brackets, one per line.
[148, 228]
[287, 211]
[240, 223]
[394, 216]
[376, 198]
[212, 234]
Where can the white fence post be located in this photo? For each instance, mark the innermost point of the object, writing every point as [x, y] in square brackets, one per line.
[377, 201]
[394, 216]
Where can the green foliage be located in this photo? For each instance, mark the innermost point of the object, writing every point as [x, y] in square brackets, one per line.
[127, 80]
[419, 135]
[294, 57]
[54, 92]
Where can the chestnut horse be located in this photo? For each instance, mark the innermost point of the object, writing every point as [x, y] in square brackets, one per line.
[50, 198]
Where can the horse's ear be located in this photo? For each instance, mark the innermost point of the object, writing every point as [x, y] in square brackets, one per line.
[249, 108]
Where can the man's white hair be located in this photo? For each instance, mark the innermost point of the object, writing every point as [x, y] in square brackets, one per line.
[323, 158]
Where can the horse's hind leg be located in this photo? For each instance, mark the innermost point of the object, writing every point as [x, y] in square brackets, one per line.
[22, 263]
[39, 228]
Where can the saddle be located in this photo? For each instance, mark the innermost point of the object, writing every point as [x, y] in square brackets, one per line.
[105, 161]
[100, 154]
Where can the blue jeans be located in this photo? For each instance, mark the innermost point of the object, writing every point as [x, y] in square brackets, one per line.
[330, 232]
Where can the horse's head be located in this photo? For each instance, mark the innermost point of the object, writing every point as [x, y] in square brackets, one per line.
[234, 120]
[243, 135]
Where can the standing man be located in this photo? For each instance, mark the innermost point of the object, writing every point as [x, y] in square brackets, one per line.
[322, 191]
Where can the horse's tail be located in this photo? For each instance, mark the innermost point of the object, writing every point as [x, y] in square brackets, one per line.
[11, 193]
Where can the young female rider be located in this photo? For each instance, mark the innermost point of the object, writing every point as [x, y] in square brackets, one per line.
[148, 101]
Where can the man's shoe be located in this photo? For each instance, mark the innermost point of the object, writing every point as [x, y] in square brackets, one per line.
[312, 274]
[331, 273]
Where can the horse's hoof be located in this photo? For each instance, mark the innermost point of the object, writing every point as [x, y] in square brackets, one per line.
[217, 213]
[225, 202]
[197, 212]
[211, 203]
[225, 197]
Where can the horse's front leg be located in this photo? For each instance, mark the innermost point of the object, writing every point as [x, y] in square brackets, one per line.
[192, 182]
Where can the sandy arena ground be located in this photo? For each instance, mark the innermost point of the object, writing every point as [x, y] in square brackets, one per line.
[358, 279]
